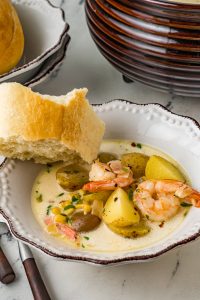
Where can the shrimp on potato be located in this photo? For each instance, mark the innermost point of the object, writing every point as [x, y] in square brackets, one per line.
[108, 176]
[160, 200]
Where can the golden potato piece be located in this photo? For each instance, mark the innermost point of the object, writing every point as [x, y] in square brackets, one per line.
[105, 157]
[102, 196]
[119, 210]
[132, 231]
[159, 168]
[72, 177]
[136, 161]
[84, 223]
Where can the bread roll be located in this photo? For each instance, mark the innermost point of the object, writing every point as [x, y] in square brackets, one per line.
[47, 128]
[11, 37]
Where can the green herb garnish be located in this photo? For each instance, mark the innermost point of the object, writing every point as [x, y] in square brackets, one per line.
[130, 194]
[139, 145]
[39, 198]
[82, 246]
[69, 221]
[48, 209]
[69, 206]
[76, 199]
[61, 194]
[86, 238]
[185, 204]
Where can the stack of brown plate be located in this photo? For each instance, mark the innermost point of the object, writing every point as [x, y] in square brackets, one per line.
[152, 41]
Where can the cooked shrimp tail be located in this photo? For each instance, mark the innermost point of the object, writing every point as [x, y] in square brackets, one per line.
[161, 199]
[108, 176]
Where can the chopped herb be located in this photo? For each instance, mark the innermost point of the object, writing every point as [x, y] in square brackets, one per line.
[49, 166]
[39, 198]
[130, 194]
[147, 217]
[115, 199]
[86, 238]
[69, 221]
[139, 146]
[125, 169]
[185, 213]
[76, 199]
[103, 210]
[185, 204]
[36, 191]
[48, 209]
[61, 194]
[69, 206]
[82, 246]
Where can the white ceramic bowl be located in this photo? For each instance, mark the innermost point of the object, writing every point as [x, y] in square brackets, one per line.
[41, 38]
[50, 66]
[149, 124]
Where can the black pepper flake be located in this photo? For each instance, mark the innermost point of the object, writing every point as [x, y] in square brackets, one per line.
[115, 184]
[161, 224]
[185, 204]
[115, 199]
[133, 144]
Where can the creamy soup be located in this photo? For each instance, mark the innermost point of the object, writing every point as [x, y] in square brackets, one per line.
[47, 192]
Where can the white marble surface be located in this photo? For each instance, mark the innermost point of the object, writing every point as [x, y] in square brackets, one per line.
[173, 276]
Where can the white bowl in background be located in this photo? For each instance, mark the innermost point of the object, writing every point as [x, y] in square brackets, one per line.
[44, 29]
[151, 124]
[50, 66]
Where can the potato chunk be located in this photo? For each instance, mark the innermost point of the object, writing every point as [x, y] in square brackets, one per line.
[132, 231]
[160, 168]
[136, 161]
[119, 210]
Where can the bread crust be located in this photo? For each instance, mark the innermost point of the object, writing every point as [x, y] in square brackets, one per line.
[33, 117]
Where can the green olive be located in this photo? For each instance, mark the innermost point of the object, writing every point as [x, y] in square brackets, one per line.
[105, 157]
[132, 231]
[72, 177]
[84, 223]
[136, 161]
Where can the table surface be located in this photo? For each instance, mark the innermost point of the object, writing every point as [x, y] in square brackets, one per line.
[172, 276]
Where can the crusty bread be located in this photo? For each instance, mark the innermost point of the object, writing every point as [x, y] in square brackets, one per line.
[11, 37]
[47, 128]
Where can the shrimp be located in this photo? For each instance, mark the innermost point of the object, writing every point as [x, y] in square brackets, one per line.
[108, 176]
[62, 228]
[100, 171]
[160, 200]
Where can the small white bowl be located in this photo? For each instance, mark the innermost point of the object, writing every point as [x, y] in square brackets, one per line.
[41, 38]
[151, 124]
[51, 65]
